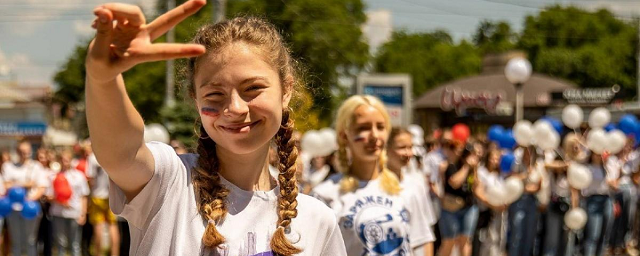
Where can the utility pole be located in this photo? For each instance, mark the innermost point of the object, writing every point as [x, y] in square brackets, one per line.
[219, 9]
[170, 79]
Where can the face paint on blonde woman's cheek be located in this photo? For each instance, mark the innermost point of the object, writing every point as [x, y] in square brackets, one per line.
[210, 111]
[359, 138]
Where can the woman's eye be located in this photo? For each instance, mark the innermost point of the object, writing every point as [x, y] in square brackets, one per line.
[255, 87]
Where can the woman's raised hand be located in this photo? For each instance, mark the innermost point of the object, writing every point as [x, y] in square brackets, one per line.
[120, 45]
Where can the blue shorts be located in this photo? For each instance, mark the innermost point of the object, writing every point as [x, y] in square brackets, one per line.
[459, 223]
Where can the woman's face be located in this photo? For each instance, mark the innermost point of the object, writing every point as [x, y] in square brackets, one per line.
[402, 150]
[493, 161]
[239, 97]
[367, 136]
[42, 157]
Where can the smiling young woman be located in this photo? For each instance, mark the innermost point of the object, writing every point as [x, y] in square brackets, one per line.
[221, 201]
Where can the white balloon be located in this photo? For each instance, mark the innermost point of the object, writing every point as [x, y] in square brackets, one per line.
[616, 141]
[496, 195]
[156, 132]
[417, 134]
[552, 141]
[579, 176]
[572, 116]
[523, 132]
[514, 189]
[329, 141]
[541, 130]
[312, 143]
[597, 140]
[599, 117]
[575, 218]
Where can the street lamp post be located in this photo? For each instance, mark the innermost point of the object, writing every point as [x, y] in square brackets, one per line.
[518, 71]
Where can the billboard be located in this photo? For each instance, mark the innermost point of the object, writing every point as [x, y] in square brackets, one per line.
[394, 90]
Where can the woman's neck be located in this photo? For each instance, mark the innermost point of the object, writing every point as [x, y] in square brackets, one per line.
[364, 170]
[396, 169]
[247, 171]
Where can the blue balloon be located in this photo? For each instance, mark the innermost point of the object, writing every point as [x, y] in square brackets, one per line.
[506, 162]
[5, 206]
[610, 127]
[495, 133]
[508, 141]
[17, 195]
[31, 210]
[555, 123]
[628, 124]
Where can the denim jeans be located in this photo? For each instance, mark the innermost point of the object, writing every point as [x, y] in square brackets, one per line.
[626, 197]
[558, 240]
[599, 223]
[523, 217]
[23, 234]
[459, 223]
[66, 235]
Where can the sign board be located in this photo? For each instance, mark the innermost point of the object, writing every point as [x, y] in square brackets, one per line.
[22, 128]
[394, 90]
[460, 100]
[587, 96]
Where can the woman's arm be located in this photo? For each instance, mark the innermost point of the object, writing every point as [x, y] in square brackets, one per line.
[116, 128]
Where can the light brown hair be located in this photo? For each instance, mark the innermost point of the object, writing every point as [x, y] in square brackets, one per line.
[211, 195]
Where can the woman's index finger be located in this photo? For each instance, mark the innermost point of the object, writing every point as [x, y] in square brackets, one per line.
[132, 13]
[170, 19]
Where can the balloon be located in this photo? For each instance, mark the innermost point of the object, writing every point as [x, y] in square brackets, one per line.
[417, 134]
[616, 141]
[506, 162]
[597, 140]
[572, 116]
[628, 124]
[329, 140]
[575, 218]
[17, 195]
[610, 127]
[579, 176]
[156, 132]
[61, 188]
[551, 142]
[495, 133]
[496, 195]
[5, 206]
[514, 188]
[31, 210]
[555, 123]
[541, 130]
[312, 143]
[523, 132]
[599, 117]
[461, 132]
[507, 141]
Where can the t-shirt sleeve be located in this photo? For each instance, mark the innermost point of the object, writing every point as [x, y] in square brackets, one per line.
[41, 177]
[147, 203]
[91, 165]
[420, 231]
[84, 186]
[334, 245]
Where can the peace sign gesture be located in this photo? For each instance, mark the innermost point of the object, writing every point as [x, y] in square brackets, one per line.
[119, 46]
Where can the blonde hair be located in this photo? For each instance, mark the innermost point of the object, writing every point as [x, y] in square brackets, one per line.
[388, 181]
[211, 194]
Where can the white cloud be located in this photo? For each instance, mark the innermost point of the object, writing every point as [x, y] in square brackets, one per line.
[377, 30]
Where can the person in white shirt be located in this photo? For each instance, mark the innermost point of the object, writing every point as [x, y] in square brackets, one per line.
[28, 174]
[99, 213]
[599, 207]
[622, 167]
[366, 196]
[221, 201]
[414, 186]
[70, 214]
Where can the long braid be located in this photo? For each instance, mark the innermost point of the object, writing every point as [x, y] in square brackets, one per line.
[348, 183]
[211, 193]
[287, 203]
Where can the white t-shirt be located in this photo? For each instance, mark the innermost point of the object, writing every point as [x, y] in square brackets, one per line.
[599, 180]
[414, 189]
[372, 222]
[164, 218]
[79, 188]
[100, 183]
[20, 175]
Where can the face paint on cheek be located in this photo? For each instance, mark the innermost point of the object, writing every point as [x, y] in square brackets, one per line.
[209, 111]
[359, 138]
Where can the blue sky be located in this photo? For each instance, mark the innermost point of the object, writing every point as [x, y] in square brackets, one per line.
[36, 36]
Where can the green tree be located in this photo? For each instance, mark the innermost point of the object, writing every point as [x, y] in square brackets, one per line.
[494, 37]
[430, 58]
[592, 49]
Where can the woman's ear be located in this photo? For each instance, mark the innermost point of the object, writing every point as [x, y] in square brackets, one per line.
[287, 86]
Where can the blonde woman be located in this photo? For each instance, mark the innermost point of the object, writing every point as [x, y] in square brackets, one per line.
[373, 215]
[222, 201]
